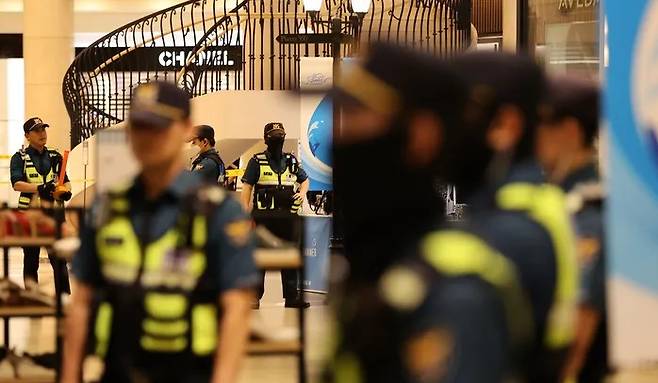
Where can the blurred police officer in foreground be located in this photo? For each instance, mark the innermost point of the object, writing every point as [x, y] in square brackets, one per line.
[34, 173]
[566, 149]
[510, 204]
[420, 304]
[169, 257]
[207, 162]
[278, 185]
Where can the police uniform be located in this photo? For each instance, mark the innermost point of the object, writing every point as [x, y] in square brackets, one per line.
[275, 181]
[159, 267]
[209, 163]
[452, 312]
[512, 207]
[422, 302]
[39, 168]
[586, 202]
[527, 221]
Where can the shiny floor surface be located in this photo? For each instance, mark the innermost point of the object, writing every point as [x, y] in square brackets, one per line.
[38, 335]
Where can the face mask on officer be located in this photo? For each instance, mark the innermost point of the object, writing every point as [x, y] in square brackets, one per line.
[385, 182]
[274, 142]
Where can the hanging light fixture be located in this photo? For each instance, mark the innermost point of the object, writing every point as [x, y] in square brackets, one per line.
[360, 7]
[312, 5]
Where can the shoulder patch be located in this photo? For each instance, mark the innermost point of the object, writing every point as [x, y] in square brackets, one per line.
[426, 354]
[403, 288]
[238, 232]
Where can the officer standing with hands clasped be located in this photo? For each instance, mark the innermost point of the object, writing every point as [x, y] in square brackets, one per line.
[169, 257]
[566, 149]
[272, 178]
[207, 162]
[34, 172]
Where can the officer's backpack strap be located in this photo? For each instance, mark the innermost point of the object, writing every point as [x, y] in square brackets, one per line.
[198, 210]
[110, 204]
[459, 253]
[546, 204]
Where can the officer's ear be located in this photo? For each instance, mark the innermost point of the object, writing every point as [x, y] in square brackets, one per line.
[506, 129]
[425, 137]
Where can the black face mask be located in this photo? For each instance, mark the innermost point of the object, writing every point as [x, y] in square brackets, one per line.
[384, 204]
[275, 145]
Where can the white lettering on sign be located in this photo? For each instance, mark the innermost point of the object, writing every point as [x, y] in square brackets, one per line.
[178, 59]
[165, 59]
[568, 5]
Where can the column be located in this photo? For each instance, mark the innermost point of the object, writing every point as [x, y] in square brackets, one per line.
[48, 51]
[510, 25]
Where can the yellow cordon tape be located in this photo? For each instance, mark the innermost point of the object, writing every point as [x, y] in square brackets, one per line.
[72, 181]
[234, 172]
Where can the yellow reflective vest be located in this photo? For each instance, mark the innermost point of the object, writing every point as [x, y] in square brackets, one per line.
[546, 205]
[454, 253]
[174, 314]
[273, 189]
[25, 200]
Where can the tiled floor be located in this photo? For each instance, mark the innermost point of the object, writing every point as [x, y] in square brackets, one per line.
[38, 335]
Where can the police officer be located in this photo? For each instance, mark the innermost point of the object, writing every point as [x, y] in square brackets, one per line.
[273, 190]
[570, 121]
[511, 205]
[168, 257]
[421, 303]
[34, 173]
[207, 162]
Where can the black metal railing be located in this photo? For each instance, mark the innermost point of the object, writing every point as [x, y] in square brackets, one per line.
[216, 45]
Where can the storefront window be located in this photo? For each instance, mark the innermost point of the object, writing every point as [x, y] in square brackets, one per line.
[564, 35]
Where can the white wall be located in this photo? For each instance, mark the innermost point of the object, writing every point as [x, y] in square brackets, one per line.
[238, 118]
[12, 116]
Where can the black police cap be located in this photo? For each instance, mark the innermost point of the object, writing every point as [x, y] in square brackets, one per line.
[568, 96]
[34, 123]
[272, 127]
[392, 78]
[496, 78]
[157, 104]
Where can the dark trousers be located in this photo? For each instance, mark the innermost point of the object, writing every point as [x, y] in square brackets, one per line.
[288, 229]
[31, 268]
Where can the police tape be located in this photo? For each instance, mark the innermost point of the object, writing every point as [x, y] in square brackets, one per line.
[234, 172]
[90, 180]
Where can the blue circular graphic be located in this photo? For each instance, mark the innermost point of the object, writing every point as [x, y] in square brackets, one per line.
[320, 131]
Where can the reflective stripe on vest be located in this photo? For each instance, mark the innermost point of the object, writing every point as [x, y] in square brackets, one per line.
[34, 177]
[547, 206]
[458, 253]
[268, 177]
[169, 316]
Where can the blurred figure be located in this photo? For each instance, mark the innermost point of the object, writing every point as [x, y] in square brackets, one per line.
[510, 204]
[274, 187]
[570, 117]
[420, 304]
[207, 162]
[169, 260]
[34, 172]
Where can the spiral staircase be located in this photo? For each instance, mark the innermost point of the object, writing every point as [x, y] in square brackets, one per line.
[229, 45]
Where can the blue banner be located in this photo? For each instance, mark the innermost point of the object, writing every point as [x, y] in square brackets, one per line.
[317, 233]
[632, 112]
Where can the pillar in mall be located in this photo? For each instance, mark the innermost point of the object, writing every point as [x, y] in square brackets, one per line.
[510, 25]
[48, 51]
